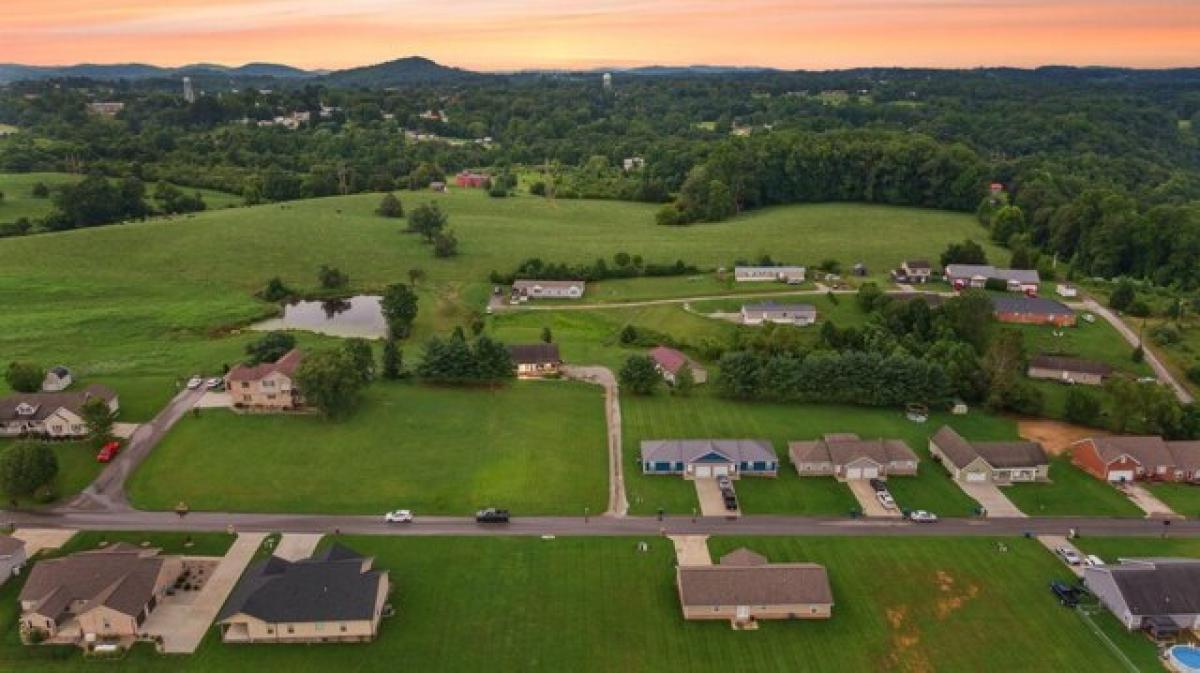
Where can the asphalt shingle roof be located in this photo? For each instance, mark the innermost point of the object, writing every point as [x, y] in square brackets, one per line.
[688, 450]
[1159, 586]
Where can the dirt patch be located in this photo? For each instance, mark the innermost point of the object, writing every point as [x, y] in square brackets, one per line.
[956, 598]
[1055, 436]
[904, 655]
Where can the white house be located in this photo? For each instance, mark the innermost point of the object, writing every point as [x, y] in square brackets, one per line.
[1067, 290]
[57, 380]
[51, 414]
[12, 556]
[783, 314]
[523, 290]
[769, 274]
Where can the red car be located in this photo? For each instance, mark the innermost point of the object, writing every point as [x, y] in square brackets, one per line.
[108, 452]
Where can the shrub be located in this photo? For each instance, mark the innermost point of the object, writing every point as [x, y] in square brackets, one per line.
[996, 284]
[1082, 407]
[538, 188]
[1193, 373]
[24, 377]
[276, 290]
[1138, 308]
[1165, 335]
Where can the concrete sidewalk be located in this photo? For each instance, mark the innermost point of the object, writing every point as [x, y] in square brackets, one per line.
[183, 625]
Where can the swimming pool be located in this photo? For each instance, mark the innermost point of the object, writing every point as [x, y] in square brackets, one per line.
[1185, 658]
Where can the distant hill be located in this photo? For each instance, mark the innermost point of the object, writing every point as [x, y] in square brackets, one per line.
[400, 72]
[12, 72]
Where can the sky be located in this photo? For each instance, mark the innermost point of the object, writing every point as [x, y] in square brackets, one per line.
[511, 34]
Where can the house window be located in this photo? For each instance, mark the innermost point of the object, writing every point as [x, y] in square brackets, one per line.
[760, 465]
[662, 467]
[56, 428]
[270, 630]
[268, 384]
[245, 384]
[291, 628]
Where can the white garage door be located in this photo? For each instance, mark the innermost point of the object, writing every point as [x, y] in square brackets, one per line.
[976, 476]
[854, 473]
[703, 471]
[720, 470]
[1120, 475]
[870, 472]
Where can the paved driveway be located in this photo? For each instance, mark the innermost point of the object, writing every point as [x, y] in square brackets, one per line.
[1150, 504]
[691, 550]
[1053, 542]
[861, 488]
[37, 539]
[296, 546]
[711, 501]
[183, 625]
[993, 500]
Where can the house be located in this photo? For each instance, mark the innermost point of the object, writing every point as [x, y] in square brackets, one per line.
[633, 164]
[700, 458]
[669, 362]
[846, 456]
[100, 594]
[913, 271]
[54, 415]
[472, 179]
[12, 556]
[1067, 290]
[1121, 459]
[269, 386]
[1032, 311]
[336, 596]
[1159, 595]
[57, 380]
[106, 109]
[963, 276]
[744, 587]
[783, 314]
[437, 186]
[791, 275]
[988, 462]
[1069, 370]
[547, 289]
[534, 360]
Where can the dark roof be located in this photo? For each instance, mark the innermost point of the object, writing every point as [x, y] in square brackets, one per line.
[917, 264]
[10, 545]
[743, 557]
[961, 452]
[956, 449]
[1150, 451]
[285, 365]
[842, 449]
[47, 403]
[689, 450]
[1023, 304]
[671, 359]
[1159, 586]
[534, 354]
[60, 371]
[770, 584]
[336, 584]
[1071, 365]
[121, 577]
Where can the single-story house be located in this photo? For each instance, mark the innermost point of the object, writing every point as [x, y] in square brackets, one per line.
[437, 186]
[669, 362]
[471, 179]
[989, 462]
[57, 380]
[1032, 311]
[51, 414]
[268, 386]
[1069, 370]
[783, 314]
[333, 597]
[523, 290]
[775, 274]
[744, 587]
[962, 276]
[1121, 459]
[700, 458]
[12, 556]
[1160, 595]
[1066, 290]
[98, 594]
[633, 164]
[846, 456]
[533, 360]
[913, 271]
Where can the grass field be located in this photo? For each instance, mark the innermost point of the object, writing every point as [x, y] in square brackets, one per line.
[19, 201]
[596, 604]
[1183, 498]
[1092, 341]
[705, 415]
[534, 447]
[1071, 492]
[1112, 548]
[153, 297]
[77, 467]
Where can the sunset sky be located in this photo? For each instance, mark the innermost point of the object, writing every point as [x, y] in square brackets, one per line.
[507, 34]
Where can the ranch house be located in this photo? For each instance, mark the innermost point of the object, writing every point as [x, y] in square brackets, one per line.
[744, 587]
[705, 458]
[846, 456]
[988, 462]
[1122, 459]
[769, 274]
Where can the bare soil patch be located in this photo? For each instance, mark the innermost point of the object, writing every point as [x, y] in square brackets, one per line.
[1055, 436]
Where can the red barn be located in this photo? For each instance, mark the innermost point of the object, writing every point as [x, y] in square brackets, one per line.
[471, 179]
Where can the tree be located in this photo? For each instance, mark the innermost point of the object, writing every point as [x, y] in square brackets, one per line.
[275, 290]
[415, 275]
[685, 380]
[493, 362]
[25, 467]
[967, 252]
[1138, 355]
[427, 220]
[445, 244]
[1082, 407]
[1023, 257]
[361, 358]
[390, 206]
[393, 361]
[24, 377]
[969, 315]
[1007, 222]
[330, 382]
[1122, 295]
[99, 419]
[639, 375]
[40, 190]
[399, 306]
[868, 297]
[331, 278]
[628, 335]
[740, 376]
[269, 347]
[547, 337]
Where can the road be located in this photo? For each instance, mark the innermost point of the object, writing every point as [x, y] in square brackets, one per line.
[107, 492]
[498, 304]
[618, 504]
[1164, 374]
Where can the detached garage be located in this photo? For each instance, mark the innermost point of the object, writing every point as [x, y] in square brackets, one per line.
[708, 458]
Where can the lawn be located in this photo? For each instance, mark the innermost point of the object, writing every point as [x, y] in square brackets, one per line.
[19, 200]
[1092, 341]
[1183, 498]
[535, 447]
[157, 298]
[596, 604]
[1070, 492]
[705, 415]
[201, 544]
[1112, 548]
[77, 467]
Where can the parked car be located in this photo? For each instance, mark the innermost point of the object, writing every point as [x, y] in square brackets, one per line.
[1068, 556]
[922, 516]
[1093, 561]
[399, 516]
[724, 482]
[878, 484]
[731, 503]
[214, 384]
[195, 382]
[886, 499]
[491, 515]
[108, 452]
[1068, 596]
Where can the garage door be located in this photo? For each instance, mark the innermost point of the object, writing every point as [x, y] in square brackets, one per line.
[870, 472]
[976, 476]
[720, 470]
[703, 471]
[854, 473]
[1120, 475]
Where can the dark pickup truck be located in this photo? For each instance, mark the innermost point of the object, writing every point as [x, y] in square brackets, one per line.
[492, 515]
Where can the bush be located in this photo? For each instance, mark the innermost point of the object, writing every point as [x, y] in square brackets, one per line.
[1122, 296]
[390, 206]
[276, 290]
[538, 188]
[24, 377]
[1138, 308]
[1165, 335]
[996, 284]
[1193, 373]
[1082, 407]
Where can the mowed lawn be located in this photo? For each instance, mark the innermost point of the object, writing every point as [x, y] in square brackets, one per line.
[77, 467]
[1183, 498]
[154, 298]
[599, 605]
[706, 415]
[1070, 492]
[534, 447]
[19, 200]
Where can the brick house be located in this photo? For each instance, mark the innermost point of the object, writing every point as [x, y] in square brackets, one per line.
[1121, 459]
[269, 386]
[669, 362]
[1032, 311]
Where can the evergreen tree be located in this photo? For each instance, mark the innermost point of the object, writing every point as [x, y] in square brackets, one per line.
[393, 363]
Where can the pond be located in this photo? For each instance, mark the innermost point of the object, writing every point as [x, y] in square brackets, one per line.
[359, 316]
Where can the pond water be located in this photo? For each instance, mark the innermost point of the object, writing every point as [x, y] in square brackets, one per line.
[358, 316]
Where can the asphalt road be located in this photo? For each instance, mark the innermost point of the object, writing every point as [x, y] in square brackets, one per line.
[1133, 339]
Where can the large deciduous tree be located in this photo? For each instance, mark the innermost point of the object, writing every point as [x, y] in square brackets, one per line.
[330, 382]
[399, 307]
[25, 467]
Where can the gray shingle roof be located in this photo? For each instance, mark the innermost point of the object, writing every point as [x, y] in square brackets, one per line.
[688, 450]
[10, 545]
[121, 577]
[48, 403]
[771, 307]
[1067, 364]
[534, 354]
[1159, 586]
[770, 584]
[961, 452]
[842, 449]
[1150, 451]
[1035, 305]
